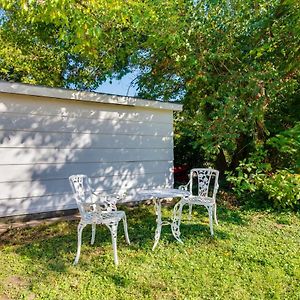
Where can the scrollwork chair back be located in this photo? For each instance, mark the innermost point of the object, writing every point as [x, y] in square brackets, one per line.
[96, 209]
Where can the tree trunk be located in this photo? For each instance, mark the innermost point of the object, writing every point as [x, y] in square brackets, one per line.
[242, 150]
[221, 163]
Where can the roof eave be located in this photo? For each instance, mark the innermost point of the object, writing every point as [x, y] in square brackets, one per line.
[60, 93]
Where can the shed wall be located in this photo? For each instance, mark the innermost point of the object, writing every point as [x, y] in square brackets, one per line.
[44, 140]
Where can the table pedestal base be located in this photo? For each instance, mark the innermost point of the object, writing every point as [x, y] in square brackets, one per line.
[175, 224]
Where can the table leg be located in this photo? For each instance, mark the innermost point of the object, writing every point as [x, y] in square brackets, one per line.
[175, 226]
[157, 204]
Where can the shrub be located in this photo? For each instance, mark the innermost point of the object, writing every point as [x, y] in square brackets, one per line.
[281, 187]
[272, 173]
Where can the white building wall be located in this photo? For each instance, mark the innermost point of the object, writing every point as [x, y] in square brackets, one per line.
[44, 140]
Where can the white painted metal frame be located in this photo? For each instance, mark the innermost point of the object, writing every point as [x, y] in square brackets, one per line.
[158, 195]
[203, 192]
[95, 209]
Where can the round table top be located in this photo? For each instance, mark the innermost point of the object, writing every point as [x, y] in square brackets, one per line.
[155, 193]
[163, 193]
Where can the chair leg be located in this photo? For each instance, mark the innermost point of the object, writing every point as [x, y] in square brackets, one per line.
[126, 230]
[215, 214]
[114, 230]
[210, 214]
[79, 236]
[93, 234]
[190, 212]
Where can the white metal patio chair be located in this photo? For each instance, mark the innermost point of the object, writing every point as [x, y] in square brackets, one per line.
[95, 209]
[203, 187]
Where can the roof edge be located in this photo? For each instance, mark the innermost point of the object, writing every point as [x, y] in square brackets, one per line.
[61, 93]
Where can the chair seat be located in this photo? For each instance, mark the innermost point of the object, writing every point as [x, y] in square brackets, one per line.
[103, 217]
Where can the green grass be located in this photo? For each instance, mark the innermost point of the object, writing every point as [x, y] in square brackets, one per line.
[254, 255]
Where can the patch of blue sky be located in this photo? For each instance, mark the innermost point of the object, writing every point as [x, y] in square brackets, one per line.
[124, 87]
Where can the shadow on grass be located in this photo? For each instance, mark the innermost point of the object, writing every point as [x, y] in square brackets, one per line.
[231, 216]
[54, 245]
[45, 244]
[224, 215]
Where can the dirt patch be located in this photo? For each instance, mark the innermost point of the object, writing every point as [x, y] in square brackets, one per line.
[16, 281]
[31, 296]
[279, 226]
[228, 200]
[18, 224]
[37, 231]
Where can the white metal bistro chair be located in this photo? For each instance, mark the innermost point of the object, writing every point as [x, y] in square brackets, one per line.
[95, 209]
[203, 187]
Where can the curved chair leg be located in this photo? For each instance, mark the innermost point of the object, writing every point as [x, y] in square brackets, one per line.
[210, 214]
[93, 234]
[114, 230]
[126, 230]
[190, 212]
[79, 236]
[175, 226]
[215, 214]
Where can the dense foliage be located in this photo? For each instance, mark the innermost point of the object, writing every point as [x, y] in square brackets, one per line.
[233, 64]
[273, 176]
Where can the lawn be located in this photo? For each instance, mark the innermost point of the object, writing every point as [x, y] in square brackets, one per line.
[254, 255]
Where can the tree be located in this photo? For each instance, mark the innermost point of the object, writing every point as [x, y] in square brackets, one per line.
[233, 64]
[81, 42]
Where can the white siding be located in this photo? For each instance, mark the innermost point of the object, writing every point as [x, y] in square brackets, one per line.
[44, 140]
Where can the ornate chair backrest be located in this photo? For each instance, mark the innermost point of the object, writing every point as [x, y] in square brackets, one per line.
[82, 191]
[204, 182]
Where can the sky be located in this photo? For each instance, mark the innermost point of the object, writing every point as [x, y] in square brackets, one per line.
[119, 87]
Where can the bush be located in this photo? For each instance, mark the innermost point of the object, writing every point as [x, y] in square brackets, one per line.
[281, 187]
[287, 148]
[272, 173]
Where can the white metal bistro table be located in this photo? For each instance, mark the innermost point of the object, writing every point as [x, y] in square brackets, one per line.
[158, 195]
